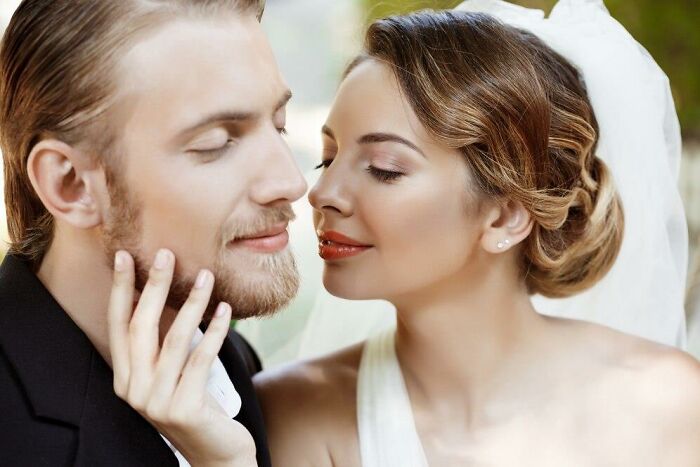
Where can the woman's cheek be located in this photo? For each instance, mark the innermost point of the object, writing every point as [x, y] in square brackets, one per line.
[428, 230]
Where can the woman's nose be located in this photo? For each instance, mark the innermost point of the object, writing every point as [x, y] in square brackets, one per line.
[331, 192]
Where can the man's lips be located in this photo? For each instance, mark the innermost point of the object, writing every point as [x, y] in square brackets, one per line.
[334, 245]
[270, 240]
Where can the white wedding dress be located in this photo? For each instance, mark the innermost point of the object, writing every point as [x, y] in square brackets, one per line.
[386, 429]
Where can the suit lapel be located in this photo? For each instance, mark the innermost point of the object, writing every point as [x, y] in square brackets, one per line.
[66, 380]
[131, 439]
[250, 415]
[50, 354]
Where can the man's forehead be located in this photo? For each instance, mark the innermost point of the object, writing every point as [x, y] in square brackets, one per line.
[189, 70]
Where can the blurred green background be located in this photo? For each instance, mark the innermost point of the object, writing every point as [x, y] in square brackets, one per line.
[670, 31]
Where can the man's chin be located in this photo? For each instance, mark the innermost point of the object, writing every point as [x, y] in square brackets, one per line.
[263, 300]
[258, 289]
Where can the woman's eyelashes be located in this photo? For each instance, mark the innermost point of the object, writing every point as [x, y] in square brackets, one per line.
[384, 175]
[324, 164]
[380, 175]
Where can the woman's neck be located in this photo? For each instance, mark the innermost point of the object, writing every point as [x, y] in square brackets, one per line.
[463, 342]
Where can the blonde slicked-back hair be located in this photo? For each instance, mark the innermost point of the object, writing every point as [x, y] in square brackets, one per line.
[520, 115]
[58, 62]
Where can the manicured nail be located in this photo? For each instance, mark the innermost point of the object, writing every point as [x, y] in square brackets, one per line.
[162, 259]
[202, 279]
[120, 261]
[221, 310]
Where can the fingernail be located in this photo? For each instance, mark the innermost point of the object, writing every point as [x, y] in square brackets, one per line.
[221, 310]
[119, 261]
[162, 259]
[202, 278]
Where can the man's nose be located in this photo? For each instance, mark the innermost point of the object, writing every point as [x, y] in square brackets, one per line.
[280, 179]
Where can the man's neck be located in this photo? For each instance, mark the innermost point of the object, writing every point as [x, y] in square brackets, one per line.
[77, 274]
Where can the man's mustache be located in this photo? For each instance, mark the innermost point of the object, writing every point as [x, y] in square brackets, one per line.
[265, 220]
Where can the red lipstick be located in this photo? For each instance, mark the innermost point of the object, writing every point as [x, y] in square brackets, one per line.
[334, 245]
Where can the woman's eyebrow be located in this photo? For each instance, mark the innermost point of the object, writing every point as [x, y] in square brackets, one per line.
[372, 138]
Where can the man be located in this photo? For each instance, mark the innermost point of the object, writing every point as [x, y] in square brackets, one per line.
[134, 125]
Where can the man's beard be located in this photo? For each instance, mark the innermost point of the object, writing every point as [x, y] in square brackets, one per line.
[248, 294]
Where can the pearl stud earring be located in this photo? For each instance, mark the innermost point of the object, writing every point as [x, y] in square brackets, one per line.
[503, 244]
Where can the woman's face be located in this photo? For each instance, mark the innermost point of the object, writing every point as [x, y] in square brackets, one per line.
[392, 208]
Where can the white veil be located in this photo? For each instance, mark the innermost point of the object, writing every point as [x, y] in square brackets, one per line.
[643, 294]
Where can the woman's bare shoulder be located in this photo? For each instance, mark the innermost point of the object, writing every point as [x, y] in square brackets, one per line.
[309, 409]
[609, 348]
[658, 384]
[666, 390]
[669, 385]
[613, 353]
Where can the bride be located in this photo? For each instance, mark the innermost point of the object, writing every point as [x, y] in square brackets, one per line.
[460, 177]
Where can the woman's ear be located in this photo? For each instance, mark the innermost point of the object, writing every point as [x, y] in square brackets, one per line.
[506, 225]
[64, 178]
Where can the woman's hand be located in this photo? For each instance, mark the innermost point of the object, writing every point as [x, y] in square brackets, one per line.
[167, 385]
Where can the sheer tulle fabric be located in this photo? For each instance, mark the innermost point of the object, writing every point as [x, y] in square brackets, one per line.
[640, 141]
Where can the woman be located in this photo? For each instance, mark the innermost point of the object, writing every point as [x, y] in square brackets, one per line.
[461, 177]
[640, 142]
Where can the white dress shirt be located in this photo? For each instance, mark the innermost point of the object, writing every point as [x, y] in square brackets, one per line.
[221, 389]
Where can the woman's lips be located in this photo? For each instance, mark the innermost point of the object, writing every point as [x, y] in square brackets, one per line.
[269, 241]
[334, 245]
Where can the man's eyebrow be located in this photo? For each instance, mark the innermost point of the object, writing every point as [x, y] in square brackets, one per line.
[228, 116]
[218, 117]
[371, 138]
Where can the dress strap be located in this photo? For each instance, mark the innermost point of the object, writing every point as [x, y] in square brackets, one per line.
[387, 430]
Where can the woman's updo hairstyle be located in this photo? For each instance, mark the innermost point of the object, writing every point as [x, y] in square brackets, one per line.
[520, 114]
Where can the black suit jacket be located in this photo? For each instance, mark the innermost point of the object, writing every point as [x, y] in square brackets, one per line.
[57, 403]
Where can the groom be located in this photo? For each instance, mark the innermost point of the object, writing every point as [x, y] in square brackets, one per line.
[132, 125]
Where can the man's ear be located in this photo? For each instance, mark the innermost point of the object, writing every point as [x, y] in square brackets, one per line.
[64, 178]
[507, 224]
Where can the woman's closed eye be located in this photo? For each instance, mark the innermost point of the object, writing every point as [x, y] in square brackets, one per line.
[381, 175]
[384, 176]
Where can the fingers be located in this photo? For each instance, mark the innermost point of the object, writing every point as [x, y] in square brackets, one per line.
[166, 385]
[176, 345]
[196, 371]
[144, 326]
[118, 317]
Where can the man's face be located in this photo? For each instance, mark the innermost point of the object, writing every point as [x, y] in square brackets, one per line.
[201, 167]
